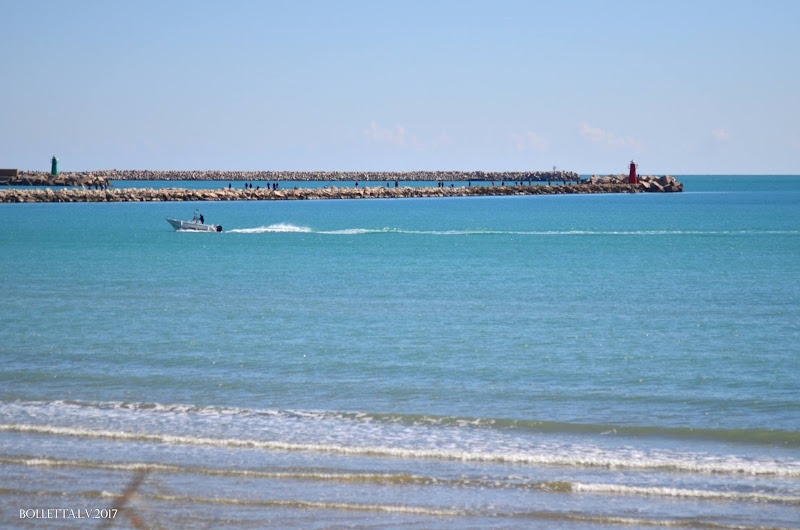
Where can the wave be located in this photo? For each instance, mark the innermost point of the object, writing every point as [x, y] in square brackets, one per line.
[582, 457]
[750, 436]
[655, 491]
[406, 436]
[290, 228]
[770, 437]
[570, 487]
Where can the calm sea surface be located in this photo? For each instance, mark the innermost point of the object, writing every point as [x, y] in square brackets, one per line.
[590, 361]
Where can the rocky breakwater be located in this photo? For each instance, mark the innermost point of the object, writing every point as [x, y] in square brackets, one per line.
[178, 194]
[41, 178]
[366, 176]
[650, 183]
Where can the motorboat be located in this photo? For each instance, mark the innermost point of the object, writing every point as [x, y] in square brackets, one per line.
[197, 224]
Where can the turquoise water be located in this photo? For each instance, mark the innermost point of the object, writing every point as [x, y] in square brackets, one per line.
[546, 361]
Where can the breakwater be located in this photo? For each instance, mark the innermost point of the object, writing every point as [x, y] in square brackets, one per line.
[40, 178]
[375, 192]
[367, 176]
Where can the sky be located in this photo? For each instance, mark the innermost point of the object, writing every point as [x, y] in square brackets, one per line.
[682, 87]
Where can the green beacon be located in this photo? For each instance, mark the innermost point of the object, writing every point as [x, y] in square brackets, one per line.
[54, 166]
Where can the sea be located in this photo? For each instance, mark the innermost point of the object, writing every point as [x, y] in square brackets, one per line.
[568, 361]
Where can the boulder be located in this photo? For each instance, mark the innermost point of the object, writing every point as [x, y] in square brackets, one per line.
[666, 180]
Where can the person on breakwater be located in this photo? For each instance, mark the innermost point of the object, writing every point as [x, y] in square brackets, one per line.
[174, 194]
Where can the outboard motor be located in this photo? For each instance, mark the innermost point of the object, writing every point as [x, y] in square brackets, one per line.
[219, 228]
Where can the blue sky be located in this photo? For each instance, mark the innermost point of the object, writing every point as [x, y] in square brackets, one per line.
[697, 87]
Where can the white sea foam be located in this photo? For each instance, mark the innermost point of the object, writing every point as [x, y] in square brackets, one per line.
[106, 413]
[395, 478]
[273, 228]
[654, 491]
[583, 456]
[356, 231]
[378, 436]
[290, 228]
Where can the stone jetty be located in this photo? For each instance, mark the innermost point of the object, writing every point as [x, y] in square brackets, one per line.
[40, 178]
[366, 176]
[648, 184]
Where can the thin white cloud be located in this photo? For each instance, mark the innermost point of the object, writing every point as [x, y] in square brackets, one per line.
[529, 141]
[443, 140]
[396, 136]
[721, 134]
[606, 138]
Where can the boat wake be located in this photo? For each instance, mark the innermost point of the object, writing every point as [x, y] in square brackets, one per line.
[274, 228]
[291, 228]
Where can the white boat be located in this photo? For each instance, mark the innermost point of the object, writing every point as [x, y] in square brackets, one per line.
[195, 225]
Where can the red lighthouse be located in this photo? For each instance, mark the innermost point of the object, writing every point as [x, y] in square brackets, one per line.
[632, 179]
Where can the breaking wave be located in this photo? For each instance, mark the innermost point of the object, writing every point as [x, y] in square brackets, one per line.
[106, 410]
[389, 436]
[584, 457]
[572, 487]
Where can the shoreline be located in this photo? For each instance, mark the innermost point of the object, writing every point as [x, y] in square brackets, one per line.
[663, 184]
